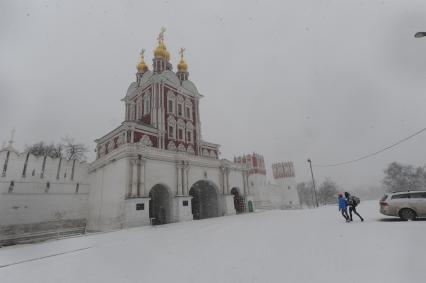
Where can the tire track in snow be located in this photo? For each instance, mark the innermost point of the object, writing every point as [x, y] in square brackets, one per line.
[43, 257]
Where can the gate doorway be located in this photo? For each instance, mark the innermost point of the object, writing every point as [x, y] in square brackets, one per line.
[159, 205]
[238, 200]
[204, 200]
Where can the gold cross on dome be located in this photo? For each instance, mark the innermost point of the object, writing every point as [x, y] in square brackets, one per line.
[161, 35]
[142, 52]
[181, 52]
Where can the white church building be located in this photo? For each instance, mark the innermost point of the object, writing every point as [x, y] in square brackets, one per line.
[153, 168]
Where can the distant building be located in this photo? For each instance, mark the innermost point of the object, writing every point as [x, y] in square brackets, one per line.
[282, 194]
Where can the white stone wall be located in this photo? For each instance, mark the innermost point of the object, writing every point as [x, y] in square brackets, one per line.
[273, 196]
[236, 181]
[34, 199]
[107, 196]
[290, 195]
[113, 199]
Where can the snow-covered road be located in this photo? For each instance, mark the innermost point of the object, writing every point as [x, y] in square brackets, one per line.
[313, 245]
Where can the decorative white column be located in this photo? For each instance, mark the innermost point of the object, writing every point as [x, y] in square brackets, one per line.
[197, 113]
[142, 180]
[129, 178]
[186, 179]
[245, 182]
[179, 179]
[227, 181]
[132, 136]
[222, 179]
[127, 114]
[132, 111]
[134, 178]
[138, 108]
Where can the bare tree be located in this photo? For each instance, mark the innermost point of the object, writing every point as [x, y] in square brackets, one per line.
[327, 192]
[43, 149]
[306, 193]
[74, 150]
[400, 177]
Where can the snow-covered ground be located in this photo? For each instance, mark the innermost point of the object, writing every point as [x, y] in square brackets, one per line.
[313, 245]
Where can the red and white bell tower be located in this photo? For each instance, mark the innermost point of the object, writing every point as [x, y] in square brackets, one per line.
[161, 109]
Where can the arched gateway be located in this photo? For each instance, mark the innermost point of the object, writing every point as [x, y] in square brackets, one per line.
[204, 200]
[159, 205]
[238, 200]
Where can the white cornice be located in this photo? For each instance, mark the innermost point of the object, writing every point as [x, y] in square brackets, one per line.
[133, 150]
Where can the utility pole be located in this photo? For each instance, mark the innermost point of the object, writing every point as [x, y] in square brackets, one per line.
[313, 182]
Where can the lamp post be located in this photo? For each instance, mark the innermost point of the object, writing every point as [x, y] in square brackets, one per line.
[420, 34]
[313, 182]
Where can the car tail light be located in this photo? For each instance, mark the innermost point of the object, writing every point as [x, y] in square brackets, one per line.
[383, 203]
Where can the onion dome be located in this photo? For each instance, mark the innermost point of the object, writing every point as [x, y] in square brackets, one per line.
[161, 50]
[142, 67]
[182, 66]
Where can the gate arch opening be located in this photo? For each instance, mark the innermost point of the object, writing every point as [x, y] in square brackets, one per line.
[159, 205]
[204, 200]
[238, 200]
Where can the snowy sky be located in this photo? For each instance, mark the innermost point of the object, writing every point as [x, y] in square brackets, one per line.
[329, 80]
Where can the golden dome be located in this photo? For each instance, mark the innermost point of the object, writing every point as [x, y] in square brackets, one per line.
[182, 66]
[142, 67]
[161, 50]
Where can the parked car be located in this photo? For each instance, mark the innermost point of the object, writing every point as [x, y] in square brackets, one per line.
[407, 205]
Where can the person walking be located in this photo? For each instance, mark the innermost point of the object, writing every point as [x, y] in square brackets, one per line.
[343, 207]
[352, 201]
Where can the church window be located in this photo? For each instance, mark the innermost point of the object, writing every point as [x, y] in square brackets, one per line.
[147, 106]
[180, 134]
[170, 107]
[171, 132]
[187, 112]
[189, 136]
[180, 109]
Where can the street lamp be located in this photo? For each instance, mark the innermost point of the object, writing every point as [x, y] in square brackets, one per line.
[313, 181]
[420, 34]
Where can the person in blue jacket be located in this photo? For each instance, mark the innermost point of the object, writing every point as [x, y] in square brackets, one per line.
[343, 207]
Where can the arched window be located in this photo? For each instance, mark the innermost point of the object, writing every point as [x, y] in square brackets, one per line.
[189, 132]
[180, 104]
[188, 109]
[147, 104]
[171, 127]
[181, 130]
[171, 102]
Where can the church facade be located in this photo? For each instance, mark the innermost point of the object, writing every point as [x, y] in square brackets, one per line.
[155, 166]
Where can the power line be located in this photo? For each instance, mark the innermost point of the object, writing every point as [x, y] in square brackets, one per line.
[371, 154]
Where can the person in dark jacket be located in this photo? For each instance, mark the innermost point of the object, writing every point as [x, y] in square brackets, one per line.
[343, 207]
[352, 206]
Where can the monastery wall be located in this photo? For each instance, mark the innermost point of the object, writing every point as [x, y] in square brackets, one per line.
[41, 194]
